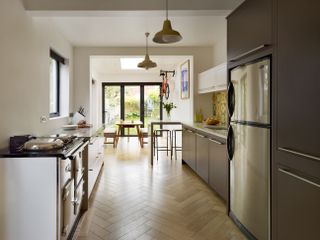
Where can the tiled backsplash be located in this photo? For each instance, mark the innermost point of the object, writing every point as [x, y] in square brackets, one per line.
[219, 102]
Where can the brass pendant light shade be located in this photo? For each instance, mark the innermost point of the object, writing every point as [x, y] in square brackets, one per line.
[147, 63]
[167, 34]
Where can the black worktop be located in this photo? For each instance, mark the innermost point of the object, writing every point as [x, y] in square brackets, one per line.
[62, 153]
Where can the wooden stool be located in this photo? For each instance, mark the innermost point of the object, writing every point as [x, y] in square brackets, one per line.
[144, 134]
[110, 133]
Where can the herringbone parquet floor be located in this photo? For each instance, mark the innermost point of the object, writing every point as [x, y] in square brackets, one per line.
[132, 200]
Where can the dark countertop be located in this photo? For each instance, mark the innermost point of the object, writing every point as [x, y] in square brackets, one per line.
[62, 153]
[201, 127]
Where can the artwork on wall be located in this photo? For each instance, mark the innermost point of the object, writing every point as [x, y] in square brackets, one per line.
[185, 79]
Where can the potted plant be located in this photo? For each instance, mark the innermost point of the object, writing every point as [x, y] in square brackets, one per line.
[168, 107]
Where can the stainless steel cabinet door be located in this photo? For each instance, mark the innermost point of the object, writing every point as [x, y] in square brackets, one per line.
[298, 205]
[249, 178]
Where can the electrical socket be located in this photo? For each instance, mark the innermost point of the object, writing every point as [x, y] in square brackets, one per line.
[43, 119]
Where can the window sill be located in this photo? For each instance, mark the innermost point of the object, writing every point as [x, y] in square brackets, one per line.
[57, 118]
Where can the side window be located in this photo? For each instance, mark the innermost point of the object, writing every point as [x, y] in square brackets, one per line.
[56, 64]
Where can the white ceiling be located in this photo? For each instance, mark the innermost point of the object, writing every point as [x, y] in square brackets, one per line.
[123, 29]
[103, 67]
[123, 5]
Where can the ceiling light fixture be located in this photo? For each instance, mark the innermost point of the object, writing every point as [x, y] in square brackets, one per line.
[167, 34]
[147, 63]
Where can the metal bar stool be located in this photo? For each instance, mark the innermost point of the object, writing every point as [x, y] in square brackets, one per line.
[174, 146]
[158, 133]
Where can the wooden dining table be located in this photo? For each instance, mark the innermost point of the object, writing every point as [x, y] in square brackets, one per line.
[122, 125]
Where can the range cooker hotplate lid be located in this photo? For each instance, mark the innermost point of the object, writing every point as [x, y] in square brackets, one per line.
[43, 144]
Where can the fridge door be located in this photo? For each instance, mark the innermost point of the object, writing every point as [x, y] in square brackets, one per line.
[249, 179]
[250, 90]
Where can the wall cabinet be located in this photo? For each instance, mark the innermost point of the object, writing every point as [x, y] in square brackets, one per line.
[218, 167]
[202, 157]
[213, 80]
[95, 161]
[249, 27]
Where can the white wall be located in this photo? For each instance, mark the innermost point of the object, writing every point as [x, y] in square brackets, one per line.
[220, 48]
[202, 57]
[24, 71]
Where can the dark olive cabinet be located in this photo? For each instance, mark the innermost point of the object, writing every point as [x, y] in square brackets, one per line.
[202, 157]
[298, 199]
[189, 148]
[249, 27]
[298, 75]
[218, 167]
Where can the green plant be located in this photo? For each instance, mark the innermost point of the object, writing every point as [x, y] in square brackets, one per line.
[168, 107]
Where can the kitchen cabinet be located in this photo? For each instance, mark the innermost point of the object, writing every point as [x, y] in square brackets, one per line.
[213, 80]
[298, 74]
[218, 167]
[202, 156]
[206, 154]
[95, 161]
[189, 148]
[249, 28]
[298, 198]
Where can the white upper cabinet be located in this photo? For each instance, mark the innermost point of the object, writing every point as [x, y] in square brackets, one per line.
[213, 80]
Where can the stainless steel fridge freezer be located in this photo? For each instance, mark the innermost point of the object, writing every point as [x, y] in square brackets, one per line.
[249, 140]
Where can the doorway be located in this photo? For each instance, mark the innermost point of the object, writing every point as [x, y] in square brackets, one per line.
[131, 102]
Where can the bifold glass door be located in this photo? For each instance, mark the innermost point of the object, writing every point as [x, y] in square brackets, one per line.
[131, 102]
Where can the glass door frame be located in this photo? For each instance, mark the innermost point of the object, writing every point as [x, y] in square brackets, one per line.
[122, 97]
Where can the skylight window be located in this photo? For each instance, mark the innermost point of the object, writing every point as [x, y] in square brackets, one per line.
[130, 63]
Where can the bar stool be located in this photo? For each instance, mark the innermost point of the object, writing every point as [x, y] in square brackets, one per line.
[174, 146]
[158, 133]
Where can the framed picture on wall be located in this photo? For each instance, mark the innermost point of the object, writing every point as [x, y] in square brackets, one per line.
[185, 79]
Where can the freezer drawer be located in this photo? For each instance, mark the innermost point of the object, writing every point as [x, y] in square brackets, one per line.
[249, 178]
[249, 93]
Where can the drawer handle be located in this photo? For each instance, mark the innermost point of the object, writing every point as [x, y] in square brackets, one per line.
[199, 135]
[90, 170]
[300, 154]
[285, 171]
[249, 52]
[217, 142]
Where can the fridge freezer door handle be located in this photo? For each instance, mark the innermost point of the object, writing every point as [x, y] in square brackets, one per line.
[230, 143]
[231, 99]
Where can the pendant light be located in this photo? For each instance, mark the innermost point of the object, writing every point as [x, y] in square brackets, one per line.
[167, 34]
[147, 63]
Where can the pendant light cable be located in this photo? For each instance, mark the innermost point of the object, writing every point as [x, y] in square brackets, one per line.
[167, 8]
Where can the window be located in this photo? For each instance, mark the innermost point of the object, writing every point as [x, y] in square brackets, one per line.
[56, 63]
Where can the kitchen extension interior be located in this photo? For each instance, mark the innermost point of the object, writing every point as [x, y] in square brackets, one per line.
[159, 119]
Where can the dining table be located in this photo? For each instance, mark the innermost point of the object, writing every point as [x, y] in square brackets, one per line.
[127, 124]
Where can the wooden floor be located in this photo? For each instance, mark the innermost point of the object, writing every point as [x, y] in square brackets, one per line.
[134, 201]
